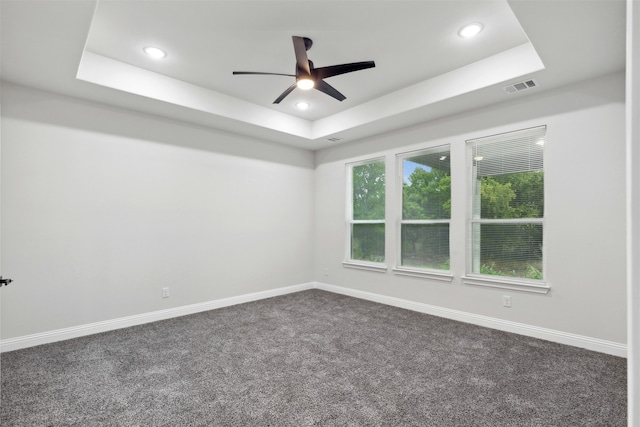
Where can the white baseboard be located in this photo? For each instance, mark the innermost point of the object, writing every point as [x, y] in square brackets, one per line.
[124, 322]
[594, 344]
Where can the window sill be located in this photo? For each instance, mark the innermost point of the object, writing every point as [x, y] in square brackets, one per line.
[423, 274]
[377, 267]
[502, 283]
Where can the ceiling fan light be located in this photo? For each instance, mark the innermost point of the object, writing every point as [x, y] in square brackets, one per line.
[305, 84]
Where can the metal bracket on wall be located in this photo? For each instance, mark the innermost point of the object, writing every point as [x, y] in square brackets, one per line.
[4, 282]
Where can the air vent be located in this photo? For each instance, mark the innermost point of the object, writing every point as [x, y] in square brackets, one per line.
[334, 139]
[520, 86]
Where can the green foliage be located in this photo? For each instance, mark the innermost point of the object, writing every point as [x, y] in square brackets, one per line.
[428, 195]
[515, 195]
[425, 245]
[368, 191]
[490, 269]
[493, 269]
[529, 201]
[367, 242]
[495, 199]
[506, 249]
[533, 273]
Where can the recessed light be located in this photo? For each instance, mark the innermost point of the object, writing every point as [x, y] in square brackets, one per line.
[470, 30]
[155, 52]
[302, 105]
[305, 84]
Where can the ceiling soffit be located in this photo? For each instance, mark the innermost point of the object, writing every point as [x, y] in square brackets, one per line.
[420, 59]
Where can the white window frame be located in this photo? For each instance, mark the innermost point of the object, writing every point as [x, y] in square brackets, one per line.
[426, 273]
[380, 267]
[485, 280]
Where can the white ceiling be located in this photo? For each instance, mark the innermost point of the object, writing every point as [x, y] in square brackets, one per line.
[206, 41]
[424, 70]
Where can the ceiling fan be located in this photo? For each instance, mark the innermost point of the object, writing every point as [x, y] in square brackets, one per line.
[308, 77]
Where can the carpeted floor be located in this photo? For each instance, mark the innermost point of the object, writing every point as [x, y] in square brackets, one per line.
[310, 359]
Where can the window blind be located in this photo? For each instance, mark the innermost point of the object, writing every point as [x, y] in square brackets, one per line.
[519, 151]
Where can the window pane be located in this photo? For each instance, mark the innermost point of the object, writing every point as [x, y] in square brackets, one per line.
[508, 183]
[513, 250]
[367, 242]
[368, 191]
[426, 190]
[514, 195]
[425, 246]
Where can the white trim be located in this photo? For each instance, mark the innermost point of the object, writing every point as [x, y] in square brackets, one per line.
[536, 288]
[378, 268]
[508, 221]
[139, 319]
[423, 274]
[594, 344]
[425, 221]
[632, 127]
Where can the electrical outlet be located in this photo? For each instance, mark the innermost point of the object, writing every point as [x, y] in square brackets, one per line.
[506, 301]
[165, 292]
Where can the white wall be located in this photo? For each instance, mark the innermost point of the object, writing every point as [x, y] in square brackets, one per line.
[102, 207]
[584, 210]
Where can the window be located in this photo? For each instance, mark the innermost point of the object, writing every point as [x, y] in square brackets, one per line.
[366, 212]
[505, 231]
[426, 209]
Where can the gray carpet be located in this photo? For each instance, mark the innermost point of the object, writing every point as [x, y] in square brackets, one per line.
[310, 358]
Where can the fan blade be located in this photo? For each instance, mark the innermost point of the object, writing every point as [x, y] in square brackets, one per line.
[302, 60]
[285, 93]
[325, 87]
[235, 73]
[334, 70]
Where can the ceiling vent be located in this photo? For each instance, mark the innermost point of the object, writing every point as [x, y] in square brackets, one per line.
[520, 86]
[334, 139]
